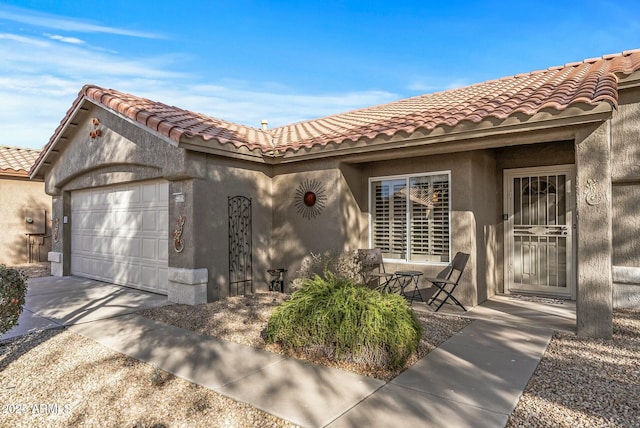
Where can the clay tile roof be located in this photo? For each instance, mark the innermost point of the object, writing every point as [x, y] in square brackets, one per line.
[175, 123]
[591, 82]
[15, 161]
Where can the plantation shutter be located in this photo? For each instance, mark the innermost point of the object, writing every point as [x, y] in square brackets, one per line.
[421, 201]
[389, 218]
[410, 218]
[429, 231]
[439, 240]
[399, 221]
[381, 229]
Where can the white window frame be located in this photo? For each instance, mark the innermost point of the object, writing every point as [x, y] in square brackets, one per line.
[407, 178]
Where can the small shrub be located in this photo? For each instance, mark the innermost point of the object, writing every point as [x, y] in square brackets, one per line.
[12, 291]
[158, 376]
[339, 264]
[342, 320]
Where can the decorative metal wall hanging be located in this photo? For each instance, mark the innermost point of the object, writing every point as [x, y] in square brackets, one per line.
[593, 192]
[96, 131]
[56, 228]
[178, 243]
[310, 198]
[240, 251]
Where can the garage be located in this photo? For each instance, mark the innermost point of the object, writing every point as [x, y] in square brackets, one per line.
[119, 234]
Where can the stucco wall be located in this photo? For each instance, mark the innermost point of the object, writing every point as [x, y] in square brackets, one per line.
[625, 141]
[487, 206]
[299, 230]
[19, 199]
[124, 152]
[207, 237]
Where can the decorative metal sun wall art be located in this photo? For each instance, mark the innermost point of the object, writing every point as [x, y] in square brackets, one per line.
[310, 198]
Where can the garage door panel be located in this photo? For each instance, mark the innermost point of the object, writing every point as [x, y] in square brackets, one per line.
[125, 247]
[150, 249]
[163, 220]
[119, 234]
[150, 193]
[86, 245]
[149, 221]
[163, 250]
[127, 273]
[149, 275]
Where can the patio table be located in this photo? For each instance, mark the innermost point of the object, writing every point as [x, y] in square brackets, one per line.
[407, 278]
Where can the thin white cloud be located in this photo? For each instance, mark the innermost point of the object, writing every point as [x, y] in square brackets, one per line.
[40, 78]
[71, 40]
[77, 61]
[45, 20]
[250, 104]
[23, 39]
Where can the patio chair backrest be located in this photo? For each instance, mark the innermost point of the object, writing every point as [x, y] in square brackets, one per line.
[445, 273]
[457, 265]
[371, 259]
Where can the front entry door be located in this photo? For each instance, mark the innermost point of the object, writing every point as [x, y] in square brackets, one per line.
[539, 207]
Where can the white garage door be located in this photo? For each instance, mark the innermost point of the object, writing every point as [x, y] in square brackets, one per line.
[119, 234]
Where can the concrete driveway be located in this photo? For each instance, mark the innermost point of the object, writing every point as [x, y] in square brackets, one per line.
[55, 301]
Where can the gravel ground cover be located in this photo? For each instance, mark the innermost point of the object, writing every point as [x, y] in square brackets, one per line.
[58, 378]
[586, 382]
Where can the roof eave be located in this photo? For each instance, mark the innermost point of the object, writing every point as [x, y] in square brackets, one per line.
[630, 81]
[198, 144]
[11, 173]
[51, 146]
[550, 119]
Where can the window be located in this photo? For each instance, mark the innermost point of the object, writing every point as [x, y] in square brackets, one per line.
[411, 225]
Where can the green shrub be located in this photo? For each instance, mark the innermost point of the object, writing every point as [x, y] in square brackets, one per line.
[12, 291]
[342, 320]
[340, 264]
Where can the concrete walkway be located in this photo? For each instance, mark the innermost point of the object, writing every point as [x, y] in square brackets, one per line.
[473, 379]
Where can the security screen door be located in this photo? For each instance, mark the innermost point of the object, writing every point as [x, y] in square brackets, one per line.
[539, 207]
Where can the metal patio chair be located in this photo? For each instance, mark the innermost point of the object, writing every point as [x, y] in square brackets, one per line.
[372, 271]
[447, 281]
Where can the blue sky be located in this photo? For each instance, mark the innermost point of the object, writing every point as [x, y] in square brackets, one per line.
[283, 61]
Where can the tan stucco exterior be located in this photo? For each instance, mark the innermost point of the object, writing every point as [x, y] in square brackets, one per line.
[23, 241]
[625, 181]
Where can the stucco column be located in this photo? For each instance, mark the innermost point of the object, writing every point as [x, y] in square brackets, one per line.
[594, 301]
[186, 284]
[56, 255]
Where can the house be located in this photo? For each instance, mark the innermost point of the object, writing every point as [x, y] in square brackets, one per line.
[537, 176]
[25, 209]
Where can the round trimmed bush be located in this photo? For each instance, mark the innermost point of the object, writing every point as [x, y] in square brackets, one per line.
[12, 291]
[342, 320]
